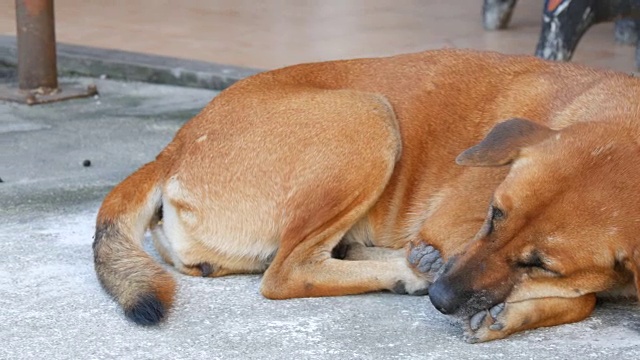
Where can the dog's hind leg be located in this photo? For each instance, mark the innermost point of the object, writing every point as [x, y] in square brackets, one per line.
[303, 266]
[177, 242]
[335, 193]
[308, 269]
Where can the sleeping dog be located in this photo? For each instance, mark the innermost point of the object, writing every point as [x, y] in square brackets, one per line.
[346, 177]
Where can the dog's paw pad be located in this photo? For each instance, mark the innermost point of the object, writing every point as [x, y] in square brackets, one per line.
[206, 269]
[425, 258]
[340, 251]
[487, 325]
[203, 269]
[401, 288]
[476, 320]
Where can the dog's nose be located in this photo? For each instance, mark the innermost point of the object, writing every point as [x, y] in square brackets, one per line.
[443, 297]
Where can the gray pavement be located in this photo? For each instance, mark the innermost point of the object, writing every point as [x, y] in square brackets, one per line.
[51, 305]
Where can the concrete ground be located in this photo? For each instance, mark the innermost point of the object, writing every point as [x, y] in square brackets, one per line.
[51, 305]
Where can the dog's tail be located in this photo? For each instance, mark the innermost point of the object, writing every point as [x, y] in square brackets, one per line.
[140, 285]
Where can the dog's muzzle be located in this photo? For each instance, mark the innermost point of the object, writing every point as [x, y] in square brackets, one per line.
[444, 297]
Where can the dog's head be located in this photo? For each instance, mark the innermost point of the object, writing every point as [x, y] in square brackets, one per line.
[565, 221]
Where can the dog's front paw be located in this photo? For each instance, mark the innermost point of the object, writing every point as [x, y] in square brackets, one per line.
[425, 259]
[508, 318]
[491, 324]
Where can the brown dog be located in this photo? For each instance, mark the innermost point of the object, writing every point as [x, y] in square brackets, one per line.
[323, 174]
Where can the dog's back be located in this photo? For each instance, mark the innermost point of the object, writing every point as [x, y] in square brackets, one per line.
[445, 102]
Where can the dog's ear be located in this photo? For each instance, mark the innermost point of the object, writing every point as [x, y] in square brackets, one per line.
[503, 143]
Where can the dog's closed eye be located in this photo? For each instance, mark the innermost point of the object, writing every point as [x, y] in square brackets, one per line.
[496, 213]
[535, 260]
[532, 261]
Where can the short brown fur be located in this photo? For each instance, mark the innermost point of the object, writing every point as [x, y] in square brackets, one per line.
[283, 167]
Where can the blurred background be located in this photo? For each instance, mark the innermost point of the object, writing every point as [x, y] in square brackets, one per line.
[274, 33]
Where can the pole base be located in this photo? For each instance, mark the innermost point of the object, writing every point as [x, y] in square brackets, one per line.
[66, 91]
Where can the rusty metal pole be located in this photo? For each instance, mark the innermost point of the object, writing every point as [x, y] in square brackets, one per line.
[37, 67]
